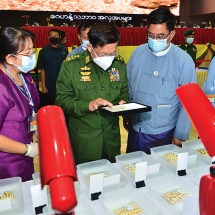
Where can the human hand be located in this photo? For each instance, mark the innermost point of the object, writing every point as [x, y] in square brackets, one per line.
[44, 89]
[177, 142]
[127, 123]
[96, 103]
[122, 102]
[32, 150]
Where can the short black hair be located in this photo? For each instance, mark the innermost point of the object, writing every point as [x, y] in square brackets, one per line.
[62, 34]
[103, 33]
[12, 40]
[162, 15]
[83, 26]
[54, 30]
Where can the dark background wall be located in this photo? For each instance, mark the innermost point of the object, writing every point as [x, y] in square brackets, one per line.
[185, 10]
[202, 7]
[197, 11]
[14, 18]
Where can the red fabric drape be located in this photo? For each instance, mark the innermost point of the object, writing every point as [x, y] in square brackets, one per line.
[41, 33]
[129, 36]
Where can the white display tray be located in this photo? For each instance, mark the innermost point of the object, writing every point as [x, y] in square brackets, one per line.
[36, 178]
[154, 168]
[120, 198]
[127, 108]
[169, 183]
[159, 152]
[82, 208]
[195, 145]
[100, 166]
[11, 194]
[196, 173]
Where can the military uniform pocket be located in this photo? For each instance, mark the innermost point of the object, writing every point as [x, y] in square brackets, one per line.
[115, 91]
[86, 90]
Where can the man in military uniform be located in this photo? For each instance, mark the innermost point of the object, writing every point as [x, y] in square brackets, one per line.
[188, 44]
[87, 81]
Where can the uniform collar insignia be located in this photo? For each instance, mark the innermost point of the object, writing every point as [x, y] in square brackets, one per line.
[85, 68]
[87, 59]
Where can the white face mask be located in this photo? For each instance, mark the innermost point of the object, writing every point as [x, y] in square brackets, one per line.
[104, 62]
[28, 63]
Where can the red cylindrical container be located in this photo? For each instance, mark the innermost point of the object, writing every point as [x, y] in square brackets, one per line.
[57, 166]
[201, 112]
[207, 193]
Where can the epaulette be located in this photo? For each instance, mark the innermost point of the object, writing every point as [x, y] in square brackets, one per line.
[119, 58]
[74, 57]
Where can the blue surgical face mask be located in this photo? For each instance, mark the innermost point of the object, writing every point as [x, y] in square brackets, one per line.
[157, 45]
[189, 40]
[28, 63]
[84, 44]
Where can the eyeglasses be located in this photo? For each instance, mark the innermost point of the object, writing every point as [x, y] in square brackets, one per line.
[158, 37]
[33, 51]
[104, 55]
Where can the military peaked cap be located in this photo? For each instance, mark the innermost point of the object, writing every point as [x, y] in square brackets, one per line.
[189, 32]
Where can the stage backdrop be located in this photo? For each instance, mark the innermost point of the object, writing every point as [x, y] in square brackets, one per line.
[98, 6]
[67, 12]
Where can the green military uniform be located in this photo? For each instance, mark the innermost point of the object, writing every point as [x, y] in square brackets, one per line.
[81, 81]
[189, 48]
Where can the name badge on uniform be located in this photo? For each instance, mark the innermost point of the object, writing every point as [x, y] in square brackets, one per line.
[114, 75]
[32, 123]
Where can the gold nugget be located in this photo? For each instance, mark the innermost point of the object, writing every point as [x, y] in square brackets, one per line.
[129, 209]
[7, 195]
[116, 108]
[131, 167]
[174, 196]
[171, 157]
[203, 151]
[105, 174]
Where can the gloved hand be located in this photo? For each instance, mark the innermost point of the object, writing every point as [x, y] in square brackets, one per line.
[32, 150]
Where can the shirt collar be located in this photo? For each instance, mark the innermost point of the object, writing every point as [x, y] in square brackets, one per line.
[159, 54]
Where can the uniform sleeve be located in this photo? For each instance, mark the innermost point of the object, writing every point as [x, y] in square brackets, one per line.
[41, 60]
[65, 97]
[66, 51]
[182, 46]
[188, 75]
[209, 84]
[4, 104]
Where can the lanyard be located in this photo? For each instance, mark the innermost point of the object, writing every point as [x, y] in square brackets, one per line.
[25, 91]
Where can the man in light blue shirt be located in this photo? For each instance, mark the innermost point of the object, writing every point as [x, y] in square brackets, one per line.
[209, 84]
[83, 30]
[155, 70]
